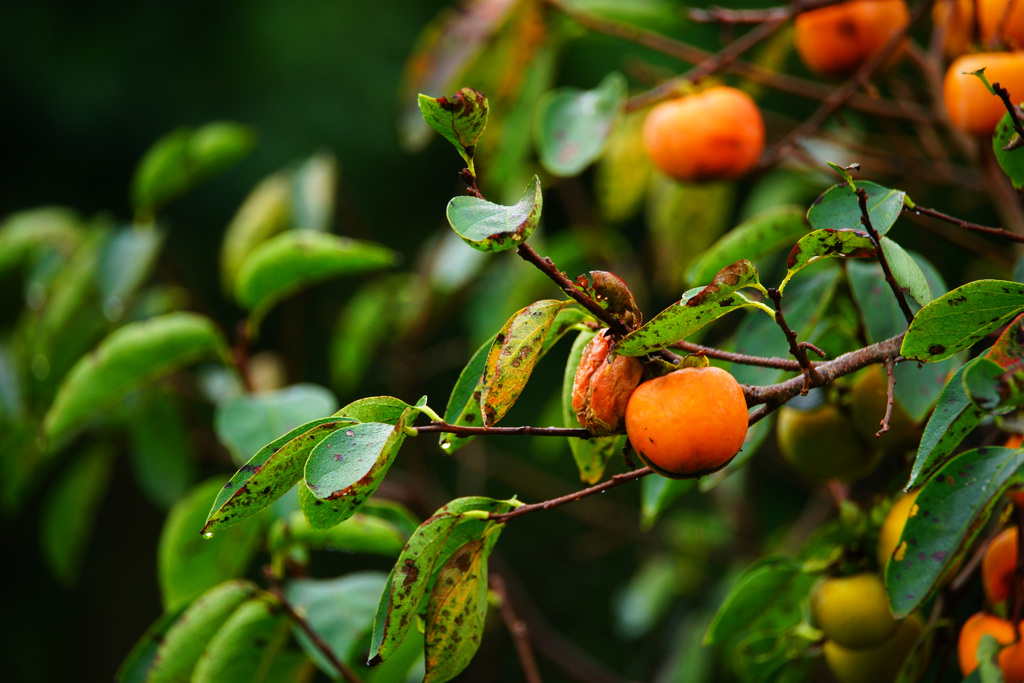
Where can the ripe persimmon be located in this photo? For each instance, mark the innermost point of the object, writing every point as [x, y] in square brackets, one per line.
[1011, 657]
[955, 18]
[712, 135]
[999, 566]
[689, 422]
[1015, 441]
[835, 40]
[971, 107]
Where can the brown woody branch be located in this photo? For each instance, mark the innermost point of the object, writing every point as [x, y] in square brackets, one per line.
[1004, 95]
[965, 225]
[843, 95]
[740, 358]
[517, 629]
[865, 219]
[721, 15]
[463, 431]
[797, 349]
[890, 397]
[772, 79]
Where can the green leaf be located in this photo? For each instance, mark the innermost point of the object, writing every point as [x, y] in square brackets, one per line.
[346, 468]
[385, 409]
[493, 227]
[991, 388]
[339, 610]
[571, 126]
[127, 259]
[70, 510]
[657, 494]
[188, 563]
[764, 234]
[698, 307]
[953, 507]
[591, 455]
[460, 119]
[464, 403]
[133, 356]
[623, 170]
[906, 272]
[360, 533]
[266, 211]
[367, 323]
[429, 547]
[25, 233]
[769, 599]
[456, 612]
[647, 596]
[829, 243]
[512, 356]
[137, 665]
[314, 184]
[188, 636]
[269, 474]
[954, 417]
[245, 646]
[293, 261]
[246, 423]
[161, 450]
[839, 208]
[988, 659]
[184, 158]
[1011, 161]
[958, 319]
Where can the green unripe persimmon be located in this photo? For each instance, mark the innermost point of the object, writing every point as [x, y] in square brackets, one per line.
[853, 611]
[879, 664]
[822, 443]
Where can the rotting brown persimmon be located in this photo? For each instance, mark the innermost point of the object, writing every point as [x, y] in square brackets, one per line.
[602, 386]
[716, 134]
[836, 40]
[689, 422]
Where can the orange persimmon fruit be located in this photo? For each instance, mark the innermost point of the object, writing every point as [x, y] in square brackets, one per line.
[689, 422]
[971, 107]
[836, 40]
[716, 134]
[1011, 657]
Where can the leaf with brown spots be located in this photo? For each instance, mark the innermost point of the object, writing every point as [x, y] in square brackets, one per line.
[512, 356]
[839, 208]
[958, 319]
[951, 509]
[428, 549]
[459, 118]
[494, 227]
[269, 474]
[344, 470]
[464, 403]
[698, 307]
[456, 612]
[829, 243]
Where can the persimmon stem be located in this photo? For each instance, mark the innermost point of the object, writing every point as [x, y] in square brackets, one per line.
[865, 219]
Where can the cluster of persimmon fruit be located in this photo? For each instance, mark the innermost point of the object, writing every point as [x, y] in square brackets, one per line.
[719, 133]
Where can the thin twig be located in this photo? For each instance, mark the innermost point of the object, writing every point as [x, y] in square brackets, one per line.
[461, 430]
[721, 15]
[1004, 95]
[890, 397]
[740, 358]
[617, 480]
[706, 67]
[517, 629]
[799, 351]
[842, 95]
[758, 74]
[865, 219]
[275, 588]
[965, 225]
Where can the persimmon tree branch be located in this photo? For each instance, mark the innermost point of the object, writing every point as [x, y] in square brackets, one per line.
[721, 15]
[797, 349]
[460, 430]
[740, 358]
[1004, 95]
[275, 589]
[773, 79]
[517, 629]
[843, 95]
[964, 225]
[890, 397]
[865, 219]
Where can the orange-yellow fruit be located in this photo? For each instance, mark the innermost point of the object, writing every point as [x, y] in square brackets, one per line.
[999, 565]
[1011, 658]
[602, 386]
[879, 664]
[688, 422]
[712, 135]
[822, 443]
[970, 106]
[836, 40]
[990, 17]
[892, 527]
[853, 611]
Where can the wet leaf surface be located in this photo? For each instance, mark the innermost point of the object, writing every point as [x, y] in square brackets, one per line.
[493, 227]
